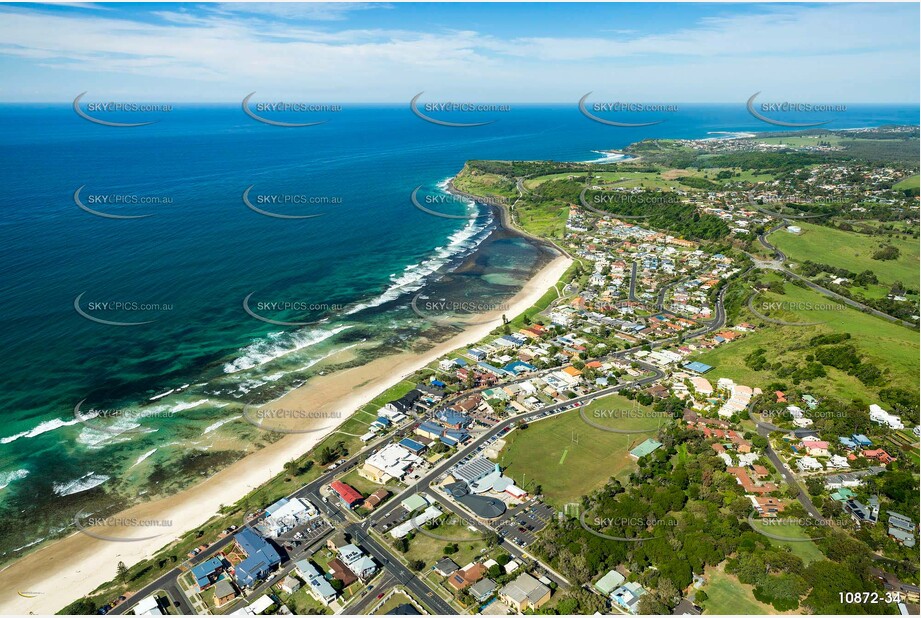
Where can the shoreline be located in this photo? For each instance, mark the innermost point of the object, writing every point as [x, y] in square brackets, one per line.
[91, 562]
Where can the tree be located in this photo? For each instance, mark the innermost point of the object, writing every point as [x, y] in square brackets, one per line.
[122, 572]
[416, 565]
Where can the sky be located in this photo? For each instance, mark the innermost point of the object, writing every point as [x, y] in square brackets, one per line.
[515, 53]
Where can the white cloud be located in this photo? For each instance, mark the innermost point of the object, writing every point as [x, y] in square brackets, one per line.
[832, 51]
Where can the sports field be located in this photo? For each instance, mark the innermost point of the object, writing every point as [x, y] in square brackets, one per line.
[568, 457]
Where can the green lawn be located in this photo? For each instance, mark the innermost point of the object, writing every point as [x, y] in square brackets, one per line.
[851, 251]
[890, 347]
[430, 550]
[807, 550]
[912, 182]
[395, 600]
[726, 595]
[569, 458]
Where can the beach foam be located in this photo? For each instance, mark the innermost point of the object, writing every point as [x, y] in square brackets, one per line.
[43, 427]
[413, 278]
[8, 477]
[84, 483]
[278, 344]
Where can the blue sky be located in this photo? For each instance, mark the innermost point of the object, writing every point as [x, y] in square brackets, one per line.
[848, 53]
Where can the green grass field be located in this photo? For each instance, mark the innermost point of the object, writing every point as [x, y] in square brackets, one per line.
[727, 596]
[807, 550]
[394, 601]
[851, 251]
[890, 347]
[430, 550]
[569, 458]
[912, 182]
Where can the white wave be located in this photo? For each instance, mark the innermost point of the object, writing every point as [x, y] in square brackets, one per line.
[8, 477]
[223, 421]
[729, 135]
[609, 157]
[43, 427]
[162, 395]
[35, 542]
[414, 276]
[121, 430]
[188, 405]
[143, 457]
[84, 483]
[278, 344]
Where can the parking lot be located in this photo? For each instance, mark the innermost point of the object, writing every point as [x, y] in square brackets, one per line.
[521, 525]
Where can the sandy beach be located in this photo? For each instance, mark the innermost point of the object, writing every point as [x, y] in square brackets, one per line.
[64, 570]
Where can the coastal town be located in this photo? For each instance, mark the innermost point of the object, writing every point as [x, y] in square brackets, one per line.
[432, 510]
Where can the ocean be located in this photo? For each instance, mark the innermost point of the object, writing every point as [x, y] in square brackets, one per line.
[96, 415]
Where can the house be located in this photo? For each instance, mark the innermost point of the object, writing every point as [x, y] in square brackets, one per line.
[340, 571]
[609, 582]
[453, 419]
[445, 567]
[902, 529]
[882, 417]
[261, 558]
[861, 439]
[879, 455]
[258, 606]
[483, 589]
[285, 515]
[372, 501]
[467, 576]
[319, 588]
[290, 584]
[349, 496]
[645, 448]
[863, 513]
[816, 448]
[357, 562]
[808, 464]
[766, 506]
[148, 606]
[524, 593]
[750, 485]
[208, 572]
[628, 596]
[391, 462]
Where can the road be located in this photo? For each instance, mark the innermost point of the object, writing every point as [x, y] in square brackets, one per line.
[764, 430]
[633, 270]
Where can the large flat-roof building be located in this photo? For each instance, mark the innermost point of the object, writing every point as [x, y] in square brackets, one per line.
[261, 558]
